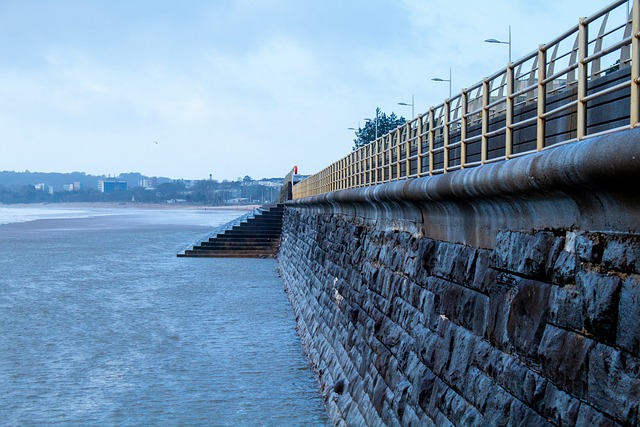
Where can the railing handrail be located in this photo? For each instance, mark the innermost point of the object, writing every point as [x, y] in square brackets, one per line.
[483, 122]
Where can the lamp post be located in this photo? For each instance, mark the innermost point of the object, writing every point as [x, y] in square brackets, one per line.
[438, 79]
[503, 42]
[407, 104]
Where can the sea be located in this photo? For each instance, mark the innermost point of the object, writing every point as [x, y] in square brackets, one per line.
[102, 325]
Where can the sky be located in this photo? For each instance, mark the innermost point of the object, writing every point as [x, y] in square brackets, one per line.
[229, 88]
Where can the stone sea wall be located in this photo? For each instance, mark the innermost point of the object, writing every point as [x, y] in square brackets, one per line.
[403, 329]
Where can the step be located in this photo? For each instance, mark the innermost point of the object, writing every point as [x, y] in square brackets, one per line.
[257, 233]
[229, 254]
[257, 237]
[267, 249]
[245, 238]
[272, 225]
[277, 219]
[222, 247]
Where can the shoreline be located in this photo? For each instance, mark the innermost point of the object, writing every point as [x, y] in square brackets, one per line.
[134, 205]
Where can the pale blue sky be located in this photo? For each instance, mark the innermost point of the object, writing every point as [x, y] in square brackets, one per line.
[237, 87]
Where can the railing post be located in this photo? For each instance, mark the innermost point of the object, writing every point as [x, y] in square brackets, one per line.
[635, 65]
[485, 120]
[398, 150]
[419, 139]
[583, 40]
[445, 143]
[344, 173]
[352, 170]
[334, 176]
[542, 97]
[375, 162]
[508, 130]
[407, 150]
[463, 128]
[431, 138]
[359, 168]
[389, 158]
[367, 164]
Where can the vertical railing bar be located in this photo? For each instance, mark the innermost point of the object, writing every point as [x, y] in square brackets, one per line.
[359, 168]
[485, 120]
[542, 98]
[463, 128]
[407, 150]
[583, 39]
[376, 160]
[431, 139]
[635, 66]
[398, 151]
[350, 170]
[446, 130]
[419, 135]
[508, 149]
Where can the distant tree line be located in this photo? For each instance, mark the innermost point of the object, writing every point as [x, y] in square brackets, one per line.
[205, 192]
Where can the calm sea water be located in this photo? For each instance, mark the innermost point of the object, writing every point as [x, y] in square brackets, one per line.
[101, 324]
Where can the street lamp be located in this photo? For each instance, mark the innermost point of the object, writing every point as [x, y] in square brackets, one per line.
[406, 104]
[438, 79]
[502, 42]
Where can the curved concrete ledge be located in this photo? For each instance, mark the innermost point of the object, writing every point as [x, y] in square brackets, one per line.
[591, 185]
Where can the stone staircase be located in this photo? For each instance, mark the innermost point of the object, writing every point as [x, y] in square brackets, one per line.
[256, 237]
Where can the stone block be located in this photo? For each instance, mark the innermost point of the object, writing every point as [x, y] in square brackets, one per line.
[462, 306]
[589, 247]
[484, 274]
[455, 263]
[526, 254]
[565, 308]
[557, 406]
[564, 359]
[496, 406]
[520, 414]
[401, 394]
[410, 265]
[379, 395]
[564, 270]
[427, 250]
[628, 332]
[517, 313]
[454, 406]
[533, 387]
[622, 253]
[512, 377]
[460, 355]
[600, 294]
[423, 387]
[588, 416]
[501, 296]
[528, 316]
[614, 383]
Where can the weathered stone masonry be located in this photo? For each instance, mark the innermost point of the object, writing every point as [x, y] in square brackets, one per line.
[542, 328]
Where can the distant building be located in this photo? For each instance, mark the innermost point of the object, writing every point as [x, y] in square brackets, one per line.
[188, 183]
[272, 182]
[148, 183]
[72, 187]
[44, 187]
[110, 185]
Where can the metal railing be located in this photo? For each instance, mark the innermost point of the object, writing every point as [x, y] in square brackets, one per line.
[559, 93]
